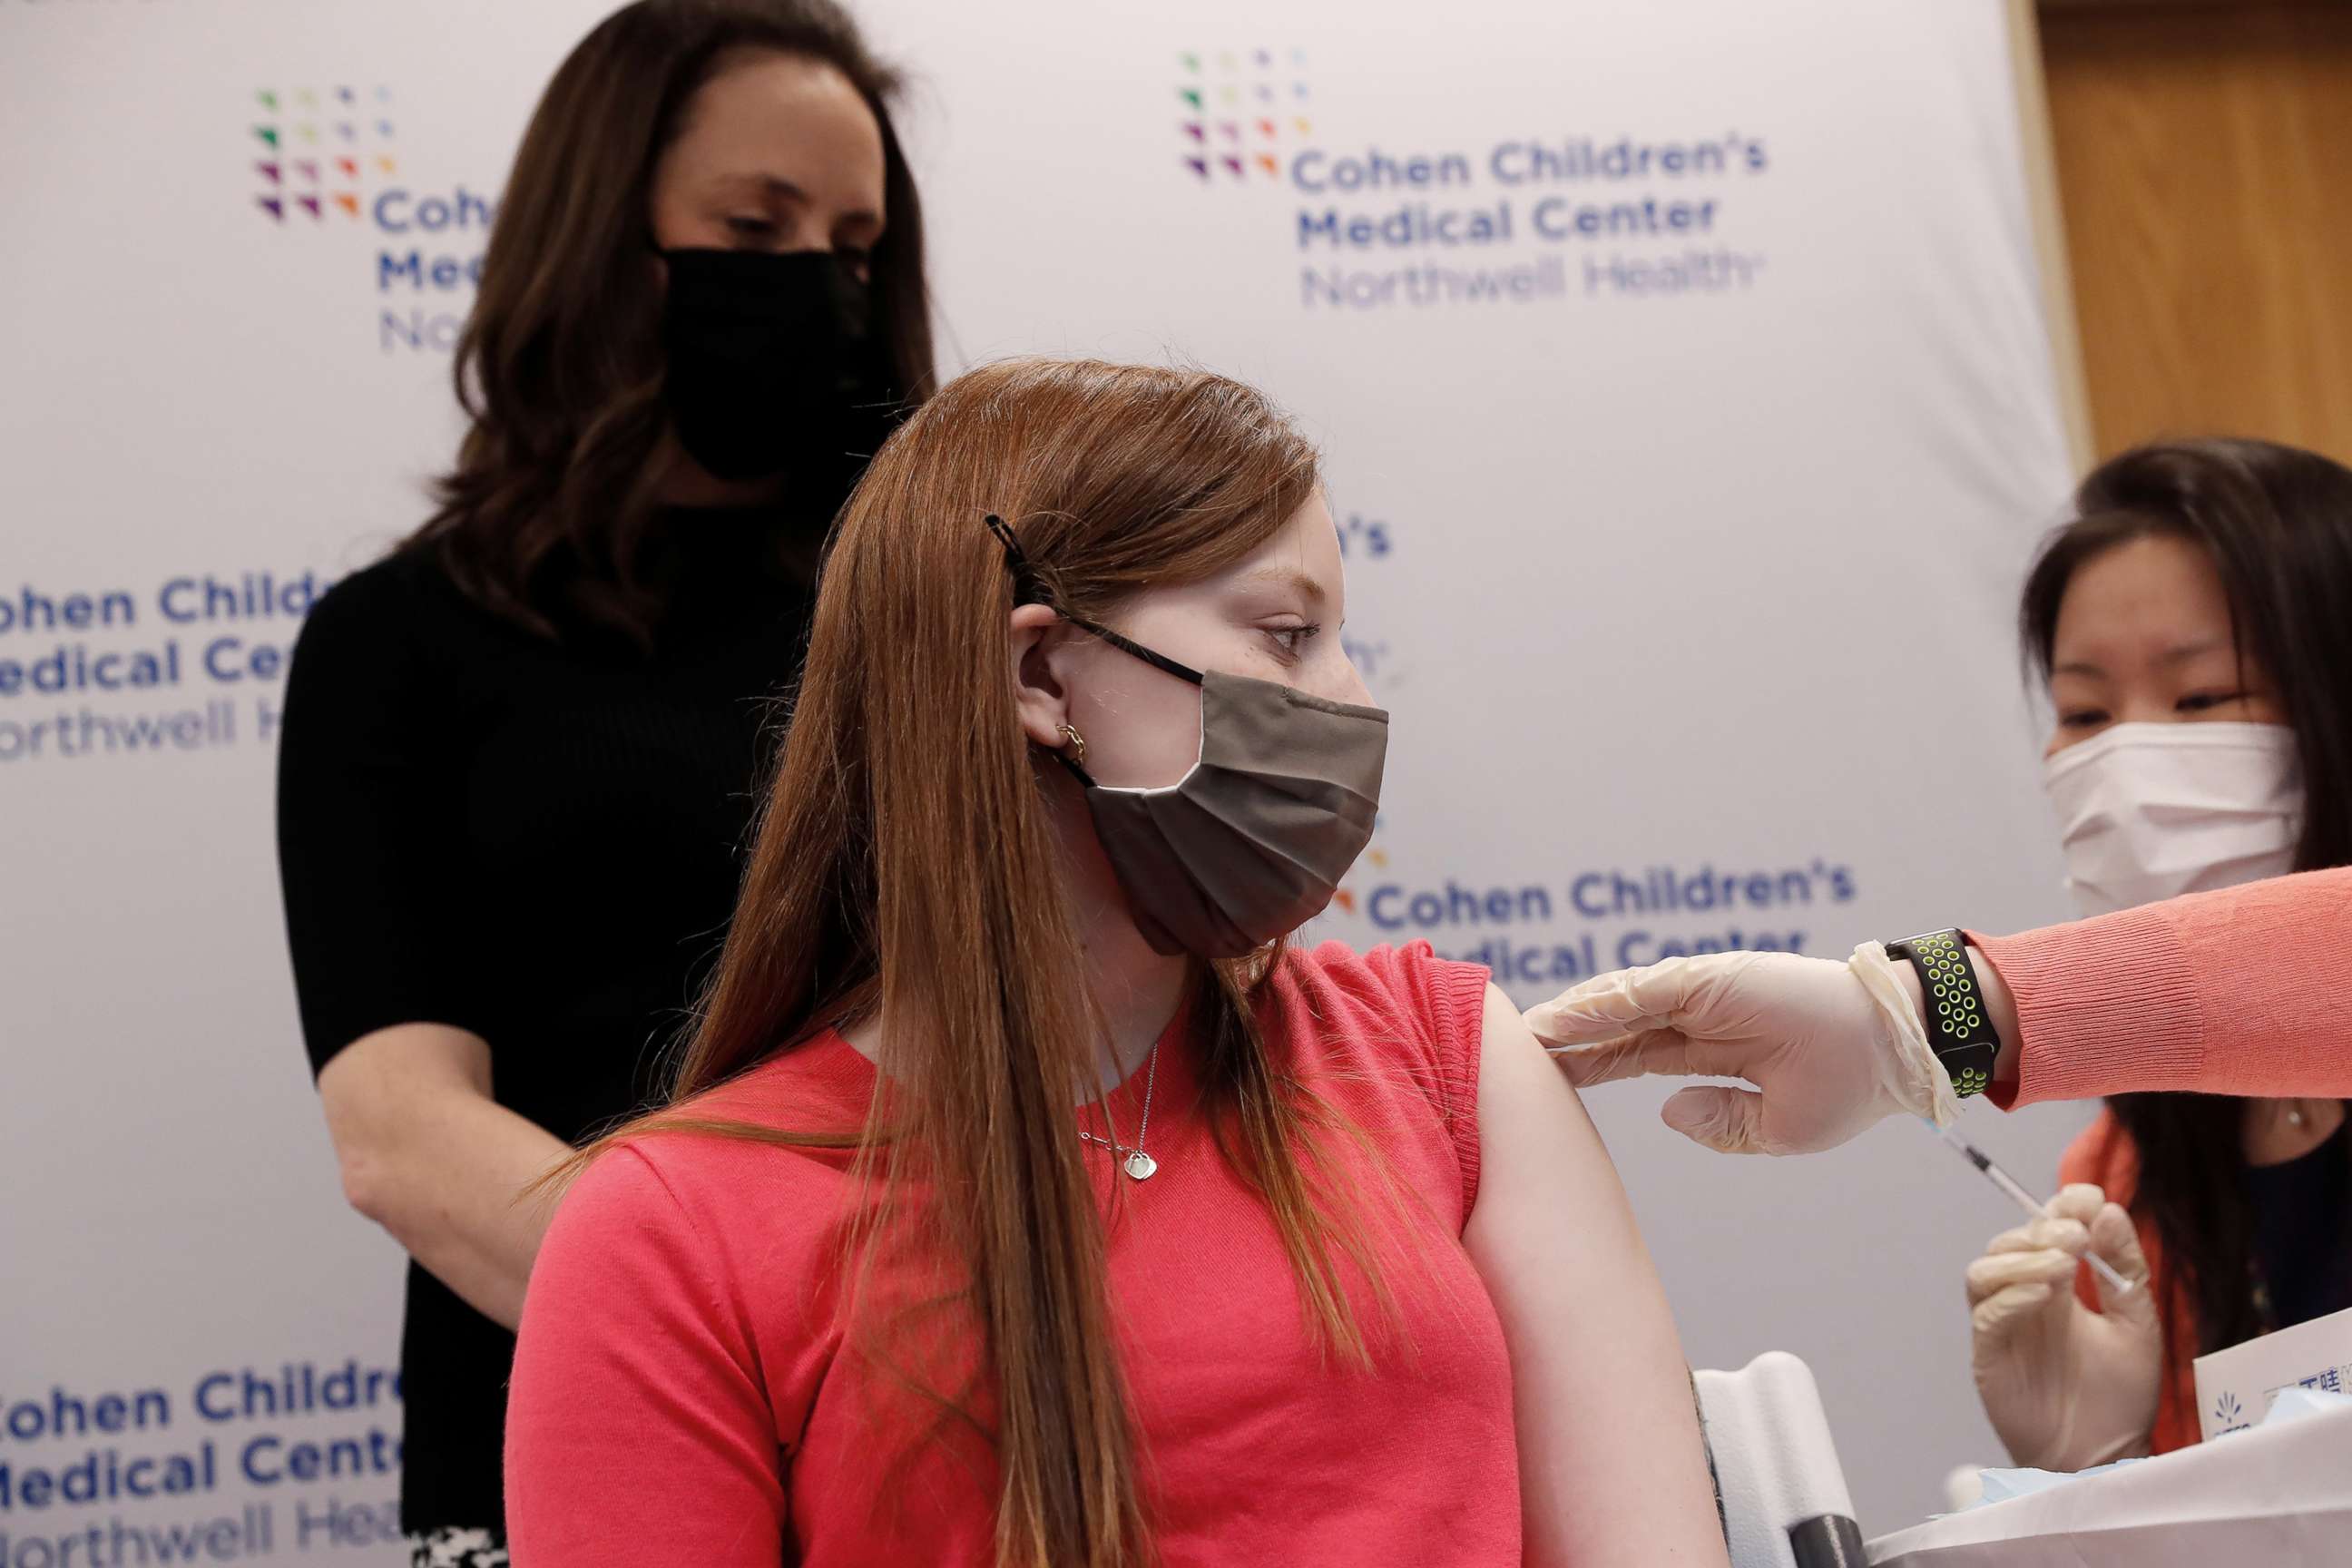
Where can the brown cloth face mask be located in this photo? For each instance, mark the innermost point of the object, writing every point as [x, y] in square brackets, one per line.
[1251, 843]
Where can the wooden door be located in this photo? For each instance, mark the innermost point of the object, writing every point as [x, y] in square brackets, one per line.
[2203, 155]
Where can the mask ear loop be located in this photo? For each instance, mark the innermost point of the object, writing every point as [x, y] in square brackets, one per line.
[1028, 588]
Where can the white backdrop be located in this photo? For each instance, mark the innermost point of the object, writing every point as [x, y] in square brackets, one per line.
[1682, 547]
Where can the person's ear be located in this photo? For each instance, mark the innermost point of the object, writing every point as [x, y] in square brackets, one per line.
[1037, 642]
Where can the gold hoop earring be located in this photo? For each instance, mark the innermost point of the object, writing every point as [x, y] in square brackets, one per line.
[1077, 747]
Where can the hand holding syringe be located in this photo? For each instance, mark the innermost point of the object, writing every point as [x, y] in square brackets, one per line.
[2027, 1201]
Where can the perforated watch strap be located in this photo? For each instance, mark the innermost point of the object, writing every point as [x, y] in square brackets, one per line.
[1963, 1038]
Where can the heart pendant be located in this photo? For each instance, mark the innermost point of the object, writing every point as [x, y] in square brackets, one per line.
[1140, 1165]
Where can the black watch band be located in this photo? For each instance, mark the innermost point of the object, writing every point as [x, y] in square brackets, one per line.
[1963, 1038]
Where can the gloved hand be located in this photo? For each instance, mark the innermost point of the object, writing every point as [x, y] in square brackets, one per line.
[1832, 1046]
[2066, 1387]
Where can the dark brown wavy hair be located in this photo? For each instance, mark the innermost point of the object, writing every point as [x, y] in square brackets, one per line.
[560, 366]
[2276, 523]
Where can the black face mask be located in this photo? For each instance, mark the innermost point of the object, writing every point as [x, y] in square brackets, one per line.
[774, 366]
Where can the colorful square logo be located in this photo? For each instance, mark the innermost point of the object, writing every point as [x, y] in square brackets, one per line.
[320, 149]
[1241, 111]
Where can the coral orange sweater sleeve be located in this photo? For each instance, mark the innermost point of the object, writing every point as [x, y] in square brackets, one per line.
[2245, 991]
[638, 1429]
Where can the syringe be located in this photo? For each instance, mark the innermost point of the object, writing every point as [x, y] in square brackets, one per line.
[2026, 1201]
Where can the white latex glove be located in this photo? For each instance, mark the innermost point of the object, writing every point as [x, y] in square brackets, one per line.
[1832, 1046]
[2066, 1387]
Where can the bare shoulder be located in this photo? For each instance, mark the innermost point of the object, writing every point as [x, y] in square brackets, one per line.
[1516, 1075]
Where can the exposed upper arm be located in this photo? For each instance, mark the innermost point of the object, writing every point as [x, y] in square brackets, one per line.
[426, 1152]
[386, 1090]
[1610, 1466]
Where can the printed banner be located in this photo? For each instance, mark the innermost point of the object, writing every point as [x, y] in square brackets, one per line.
[1690, 419]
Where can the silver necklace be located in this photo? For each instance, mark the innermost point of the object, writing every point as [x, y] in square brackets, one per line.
[1138, 1165]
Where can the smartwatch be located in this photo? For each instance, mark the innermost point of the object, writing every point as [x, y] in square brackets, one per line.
[1963, 1038]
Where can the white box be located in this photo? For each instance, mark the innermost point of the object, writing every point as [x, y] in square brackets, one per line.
[2235, 1386]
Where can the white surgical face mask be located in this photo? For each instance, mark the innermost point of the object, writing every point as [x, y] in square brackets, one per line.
[2151, 811]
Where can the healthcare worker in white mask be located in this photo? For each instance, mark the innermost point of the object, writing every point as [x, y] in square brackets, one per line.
[2186, 623]
[2194, 625]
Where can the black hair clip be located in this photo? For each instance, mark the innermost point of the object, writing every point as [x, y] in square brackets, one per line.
[1026, 587]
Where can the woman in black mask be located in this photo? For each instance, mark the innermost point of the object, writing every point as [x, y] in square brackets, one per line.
[519, 755]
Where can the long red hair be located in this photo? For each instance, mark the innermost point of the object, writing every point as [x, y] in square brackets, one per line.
[907, 865]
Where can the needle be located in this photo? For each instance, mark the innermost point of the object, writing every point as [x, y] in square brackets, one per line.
[2026, 1201]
